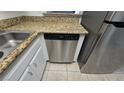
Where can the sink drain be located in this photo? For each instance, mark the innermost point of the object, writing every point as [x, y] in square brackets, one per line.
[1, 54]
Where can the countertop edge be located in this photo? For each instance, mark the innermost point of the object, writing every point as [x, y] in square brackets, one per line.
[12, 56]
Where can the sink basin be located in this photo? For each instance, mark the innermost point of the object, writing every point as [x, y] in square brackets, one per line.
[10, 40]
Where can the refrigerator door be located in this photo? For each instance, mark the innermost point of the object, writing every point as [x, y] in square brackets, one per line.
[92, 21]
[115, 16]
[108, 54]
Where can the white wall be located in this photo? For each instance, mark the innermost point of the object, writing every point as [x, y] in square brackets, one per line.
[34, 13]
[10, 14]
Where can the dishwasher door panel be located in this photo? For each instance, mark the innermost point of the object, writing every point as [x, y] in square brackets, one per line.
[61, 50]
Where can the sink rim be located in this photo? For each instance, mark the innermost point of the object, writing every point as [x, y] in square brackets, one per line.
[15, 31]
[8, 35]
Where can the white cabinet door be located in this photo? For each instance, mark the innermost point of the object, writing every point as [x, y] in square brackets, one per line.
[45, 52]
[29, 75]
[31, 64]
[38, 63]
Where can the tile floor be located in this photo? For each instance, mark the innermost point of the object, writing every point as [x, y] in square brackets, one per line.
[71, 72]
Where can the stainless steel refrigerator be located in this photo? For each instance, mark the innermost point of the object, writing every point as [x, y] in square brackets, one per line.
[103, 48]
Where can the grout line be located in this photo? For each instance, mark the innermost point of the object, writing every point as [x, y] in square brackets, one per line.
[85, 74]
[87, 77]
[47, 71]
[57, 70]
[64, 71]
[47, 76]
[49, 65]
[67, 71]
[74, 71]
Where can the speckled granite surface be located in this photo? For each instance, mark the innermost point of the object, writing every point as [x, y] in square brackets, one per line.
[46, 24]
[51, 24]
[50, 27]
[10, 22]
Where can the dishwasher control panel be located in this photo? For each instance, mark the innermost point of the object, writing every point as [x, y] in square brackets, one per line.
[62, 36]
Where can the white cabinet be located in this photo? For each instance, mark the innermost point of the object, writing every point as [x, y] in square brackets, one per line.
[45, 52]
[38, 63]
[15, 71]
[29, 75]
[30, 65]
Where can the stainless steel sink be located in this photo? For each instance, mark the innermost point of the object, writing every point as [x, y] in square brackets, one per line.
[9, 40]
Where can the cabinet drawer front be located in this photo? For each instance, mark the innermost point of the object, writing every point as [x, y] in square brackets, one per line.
[38, 63]
[29, 75]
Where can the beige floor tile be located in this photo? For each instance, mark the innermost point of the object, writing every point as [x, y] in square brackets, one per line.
[57, 76]
[97, 77]
[115, 77]
[47, 66]
[73, 67]
[74, 76]
[45, 76]
[84, 77]
[57, 67]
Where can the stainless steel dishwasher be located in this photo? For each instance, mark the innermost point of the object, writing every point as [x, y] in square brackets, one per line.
[61, 47]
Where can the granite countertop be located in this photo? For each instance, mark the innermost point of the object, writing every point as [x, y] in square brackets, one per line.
[50, 27]
[45, 25]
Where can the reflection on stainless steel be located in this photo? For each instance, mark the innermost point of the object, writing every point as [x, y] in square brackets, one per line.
[92, 21]
[10, 40]
[60, 50]
[107, 57]
[103, 48]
